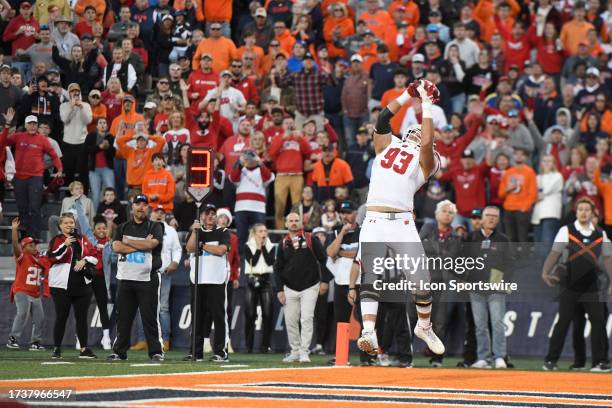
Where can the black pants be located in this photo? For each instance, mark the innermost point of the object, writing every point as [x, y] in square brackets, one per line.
[568, 302]
[516, 225]
[324, 313]
[469, 343]
[578, 342]
[131, 296]
[74, 160]
[264, 296]
[211, 300]
[99, 290]
[63, 301]
[342, 308]
[396, 326]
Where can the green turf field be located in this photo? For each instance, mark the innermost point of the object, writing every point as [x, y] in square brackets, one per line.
[16, 364]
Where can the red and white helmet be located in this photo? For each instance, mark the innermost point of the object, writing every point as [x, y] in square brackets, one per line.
[413, 135]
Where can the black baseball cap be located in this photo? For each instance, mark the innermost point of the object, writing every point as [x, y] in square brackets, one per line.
[476, 213]
[308, 56]
[347, 207]
[141, 198]
[210, 207]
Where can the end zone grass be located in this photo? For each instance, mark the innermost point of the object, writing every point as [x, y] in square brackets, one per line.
[18, 364]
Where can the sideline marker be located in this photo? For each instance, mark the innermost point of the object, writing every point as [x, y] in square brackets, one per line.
[342, 344]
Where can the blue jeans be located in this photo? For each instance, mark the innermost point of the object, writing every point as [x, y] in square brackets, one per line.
[164, 310]
[99, 179]
[458, 103]
[28, 194]
[493, 306]
[245, 220]
[120, 176]
[350, 128]
[546, 230]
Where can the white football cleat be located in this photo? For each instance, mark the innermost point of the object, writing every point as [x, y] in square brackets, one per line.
[430, 338]
[368, 343]
[304, 358]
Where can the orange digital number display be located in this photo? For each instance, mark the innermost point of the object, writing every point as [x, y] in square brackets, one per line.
[200, 168]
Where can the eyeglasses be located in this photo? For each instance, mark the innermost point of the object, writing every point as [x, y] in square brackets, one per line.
[215, 28]
[164, 83]
[236, 66]
[94, 96]
[248, 58]
[167, 98]
[337, 10]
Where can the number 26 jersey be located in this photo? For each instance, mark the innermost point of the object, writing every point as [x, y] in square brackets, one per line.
[396, 176]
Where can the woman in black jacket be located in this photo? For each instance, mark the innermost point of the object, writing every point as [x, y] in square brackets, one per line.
[73, 259]
[78, 70]
[100, 151]
[259, 256]
[162, 38]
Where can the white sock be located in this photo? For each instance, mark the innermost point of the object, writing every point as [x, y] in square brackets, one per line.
[368, 325]
[369, 307]
[424, 322]
[105, 332]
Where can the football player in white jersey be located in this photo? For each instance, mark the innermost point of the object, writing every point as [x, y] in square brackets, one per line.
[401, 167]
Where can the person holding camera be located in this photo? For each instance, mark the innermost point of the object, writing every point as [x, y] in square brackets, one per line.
[73, 260]
[76, 115]
[584, 243]
[252, 178]
[259, 256]
[301, 274]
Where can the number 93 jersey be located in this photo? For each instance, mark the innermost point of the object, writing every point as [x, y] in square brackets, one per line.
[397, 175]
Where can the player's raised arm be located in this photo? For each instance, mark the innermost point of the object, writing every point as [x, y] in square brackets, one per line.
[428, 94]
[382, 130]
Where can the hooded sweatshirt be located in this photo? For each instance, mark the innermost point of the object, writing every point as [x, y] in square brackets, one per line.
[161, 183]
[75, 122]
[139, 160]
[123, 125]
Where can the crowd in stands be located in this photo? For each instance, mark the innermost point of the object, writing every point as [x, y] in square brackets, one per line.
[107, 97]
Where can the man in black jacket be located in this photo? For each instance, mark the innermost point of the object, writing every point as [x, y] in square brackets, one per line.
[300, 275]
[441, 241]
[138, 243]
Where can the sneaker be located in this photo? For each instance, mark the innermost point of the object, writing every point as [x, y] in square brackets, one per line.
[436, 363]
[577, 367]
[36, 346]
[368, 343]
[189, 358]
[291, 358]
[550, 366]
[481, 364]
[157, 358]
[139, 346]
[265, 350]
[166, 346]
[87, 353]
[318, 350]
[116, 357]
[463, 364]
[216, 358]
[207, 346]
[304, 358]
[371, 361]
[429, 337]
[106, 343]
[383, 360]
[405, 364]
[57, 353]
[12, 343]
[601, 368]
[500, 363]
